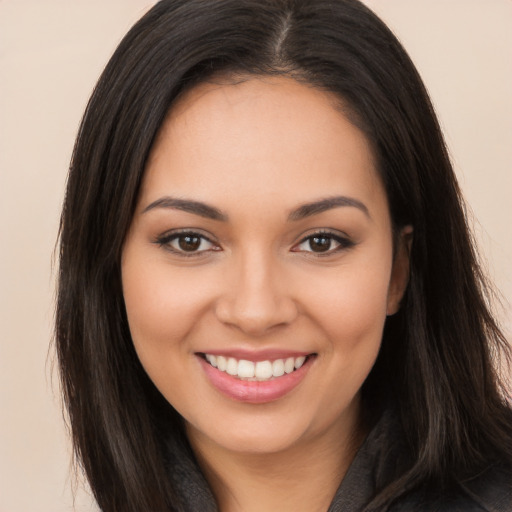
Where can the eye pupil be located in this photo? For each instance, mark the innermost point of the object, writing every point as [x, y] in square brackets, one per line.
[189, 242]
[320, 243]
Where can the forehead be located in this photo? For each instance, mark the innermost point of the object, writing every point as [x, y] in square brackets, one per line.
[262, 137]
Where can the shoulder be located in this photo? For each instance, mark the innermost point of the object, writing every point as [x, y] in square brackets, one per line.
[491, 491]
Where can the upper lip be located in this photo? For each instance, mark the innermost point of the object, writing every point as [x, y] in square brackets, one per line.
[256, 355]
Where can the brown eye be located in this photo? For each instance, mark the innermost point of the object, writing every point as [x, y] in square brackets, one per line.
[323, 243]
[320, 243]
[189, 243]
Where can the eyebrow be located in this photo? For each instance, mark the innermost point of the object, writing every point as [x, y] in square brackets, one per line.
[316, 207]
[187, 205]
[302, 212]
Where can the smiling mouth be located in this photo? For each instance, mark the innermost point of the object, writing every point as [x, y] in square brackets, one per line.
[259, 371]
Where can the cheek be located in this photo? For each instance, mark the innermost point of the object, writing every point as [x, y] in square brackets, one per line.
[352, 305]
[163, 305]
[350, 309]
[351, 314]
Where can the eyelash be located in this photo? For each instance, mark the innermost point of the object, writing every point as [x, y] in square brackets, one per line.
[342, 241]
[166, 240]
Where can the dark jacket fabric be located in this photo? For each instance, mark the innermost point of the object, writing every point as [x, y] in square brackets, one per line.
[377, 458]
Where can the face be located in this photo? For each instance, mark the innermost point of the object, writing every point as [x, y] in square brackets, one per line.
[258, 270]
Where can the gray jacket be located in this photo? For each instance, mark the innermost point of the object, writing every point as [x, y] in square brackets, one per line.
[377, 457]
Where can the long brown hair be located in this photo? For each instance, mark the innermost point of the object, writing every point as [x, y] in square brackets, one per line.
[436, 363]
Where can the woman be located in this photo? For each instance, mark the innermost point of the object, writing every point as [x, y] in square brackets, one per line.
[268, 295]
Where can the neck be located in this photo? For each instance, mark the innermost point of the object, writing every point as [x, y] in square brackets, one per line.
[303, 478]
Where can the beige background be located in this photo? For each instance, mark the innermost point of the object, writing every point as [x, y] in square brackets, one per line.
[51, 52]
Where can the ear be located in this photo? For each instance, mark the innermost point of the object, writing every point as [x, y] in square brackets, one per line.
[400, 271]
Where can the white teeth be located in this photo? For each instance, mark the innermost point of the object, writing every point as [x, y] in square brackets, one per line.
[278, 368]
[232, 367]
[246, 369]
[222, 363]
[261, 370]
[299, 362]
[212, 360]
[289, 365]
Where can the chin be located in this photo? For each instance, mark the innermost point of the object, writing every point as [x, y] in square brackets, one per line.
[255, 435]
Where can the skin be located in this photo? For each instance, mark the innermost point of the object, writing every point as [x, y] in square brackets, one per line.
[257, 151]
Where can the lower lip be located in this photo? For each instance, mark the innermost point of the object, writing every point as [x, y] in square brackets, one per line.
[255, 392]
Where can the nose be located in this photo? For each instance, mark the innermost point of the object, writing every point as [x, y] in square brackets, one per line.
[256, 296]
